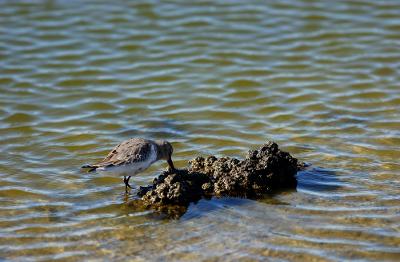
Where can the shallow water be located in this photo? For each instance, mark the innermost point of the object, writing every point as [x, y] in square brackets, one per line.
[220, 77]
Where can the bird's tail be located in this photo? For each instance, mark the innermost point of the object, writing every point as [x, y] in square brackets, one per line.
[90, 168]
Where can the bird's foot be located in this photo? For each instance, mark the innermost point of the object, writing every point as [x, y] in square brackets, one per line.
[126, 182]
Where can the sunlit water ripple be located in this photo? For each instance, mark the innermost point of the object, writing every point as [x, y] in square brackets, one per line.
[220, 77]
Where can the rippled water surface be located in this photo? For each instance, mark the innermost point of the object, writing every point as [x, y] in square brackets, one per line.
[220, 77]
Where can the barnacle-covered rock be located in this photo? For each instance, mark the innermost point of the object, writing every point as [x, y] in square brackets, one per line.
[263, 170]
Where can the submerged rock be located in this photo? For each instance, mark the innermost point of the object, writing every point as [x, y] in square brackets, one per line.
[262, 171]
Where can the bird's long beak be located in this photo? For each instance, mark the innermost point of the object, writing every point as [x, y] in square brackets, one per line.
[170, 163]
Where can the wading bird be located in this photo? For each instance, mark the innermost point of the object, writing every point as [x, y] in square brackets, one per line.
[133, 156]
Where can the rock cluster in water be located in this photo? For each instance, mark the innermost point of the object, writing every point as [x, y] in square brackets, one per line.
[262, 171]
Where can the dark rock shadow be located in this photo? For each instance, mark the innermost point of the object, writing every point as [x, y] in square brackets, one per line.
[204, 205]
[311, 178]
[263, 174]
[317, 179]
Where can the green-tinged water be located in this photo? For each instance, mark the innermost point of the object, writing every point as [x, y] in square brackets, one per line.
[321, 78]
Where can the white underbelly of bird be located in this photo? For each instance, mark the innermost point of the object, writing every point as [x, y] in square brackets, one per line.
[129, 169]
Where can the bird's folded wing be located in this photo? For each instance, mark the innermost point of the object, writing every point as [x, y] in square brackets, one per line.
[127, 152]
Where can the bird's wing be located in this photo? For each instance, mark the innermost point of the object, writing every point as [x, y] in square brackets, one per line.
[128, 152]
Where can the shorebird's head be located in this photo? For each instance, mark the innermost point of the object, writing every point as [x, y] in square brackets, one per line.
[164, 151]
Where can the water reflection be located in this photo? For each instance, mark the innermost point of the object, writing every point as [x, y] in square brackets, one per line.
[317, 179]
[309, 179]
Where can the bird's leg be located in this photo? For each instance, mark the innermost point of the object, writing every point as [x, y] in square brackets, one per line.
[126, 181]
